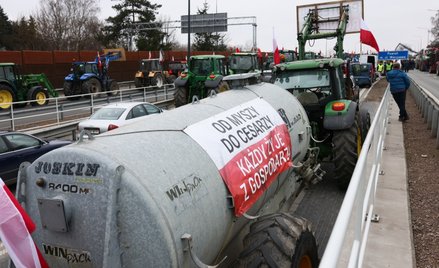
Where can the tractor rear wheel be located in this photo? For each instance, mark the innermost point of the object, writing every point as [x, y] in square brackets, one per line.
[279, 240]
[113, 88]
[180, 96]
[347, 145]
[158, 80]
[7, 96]
[38, 96]
[93, 86]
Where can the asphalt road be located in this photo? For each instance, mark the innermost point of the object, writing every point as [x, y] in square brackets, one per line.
[428, 81]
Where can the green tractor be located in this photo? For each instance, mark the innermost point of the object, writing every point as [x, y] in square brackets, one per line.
[339, 126]
[204, 76]
[15, 87]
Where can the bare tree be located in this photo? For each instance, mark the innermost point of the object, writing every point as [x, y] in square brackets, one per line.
[69, 24]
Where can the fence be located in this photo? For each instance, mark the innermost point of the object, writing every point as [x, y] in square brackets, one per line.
[56, 64]
[428, 105]
[347, 243]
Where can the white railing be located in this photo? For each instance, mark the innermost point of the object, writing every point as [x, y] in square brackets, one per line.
[347, 243]
[61, 111]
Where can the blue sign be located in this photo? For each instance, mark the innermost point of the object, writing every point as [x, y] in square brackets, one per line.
[393, 55]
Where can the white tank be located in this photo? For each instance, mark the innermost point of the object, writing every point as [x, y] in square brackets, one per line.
[127, 197]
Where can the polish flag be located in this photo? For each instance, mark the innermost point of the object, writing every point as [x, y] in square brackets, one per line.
[161, 56]
[15, 229]
[276, 55]
[366, 37]
[149, 55]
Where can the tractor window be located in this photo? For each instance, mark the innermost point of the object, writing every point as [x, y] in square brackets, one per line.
[9, 73]
[243, 63]
[318, 79]
[201, 67]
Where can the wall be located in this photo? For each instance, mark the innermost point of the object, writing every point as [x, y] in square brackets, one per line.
[56, 64]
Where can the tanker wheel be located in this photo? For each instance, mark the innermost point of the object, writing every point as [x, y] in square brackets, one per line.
[38, 96]
[158, 80]
[347, 145]
[113, 88]
[93, 86]
[68, 89]
[279, 240]
[180, 96]
[7, 96]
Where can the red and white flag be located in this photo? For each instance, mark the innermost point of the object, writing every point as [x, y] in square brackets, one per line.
[276, 55]
[15, 229]
[149, 55]
[366, 37]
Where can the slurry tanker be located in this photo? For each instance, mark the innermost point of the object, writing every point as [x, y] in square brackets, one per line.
[207, 184]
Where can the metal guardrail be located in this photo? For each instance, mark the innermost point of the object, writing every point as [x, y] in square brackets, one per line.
[428, 105]
[61, 111]
[354, 218]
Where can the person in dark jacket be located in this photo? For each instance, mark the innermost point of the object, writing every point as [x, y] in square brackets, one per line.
[399, 84]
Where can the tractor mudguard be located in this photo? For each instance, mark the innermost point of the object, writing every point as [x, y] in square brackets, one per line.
[213, 83]
[180, 82]
[87, 76]
[338, 120]
[69, 77]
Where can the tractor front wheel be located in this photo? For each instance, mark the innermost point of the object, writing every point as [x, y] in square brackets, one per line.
[347, 145]
[279, 240]
[69, 90]
[7, 96]
[138, 82]
[92, 86]
[180, 96]
[38, 96]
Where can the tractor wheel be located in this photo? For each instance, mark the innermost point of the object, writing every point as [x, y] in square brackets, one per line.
[93, 86]
[158, 80]
[138, 82]
[347, 145]
[69, 90]
[113, 88]
[279, 240]
[7, 96]
[38, 96]
[223, 86]
[180, 96]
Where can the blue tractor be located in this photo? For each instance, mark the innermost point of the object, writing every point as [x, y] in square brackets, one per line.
[91, 77]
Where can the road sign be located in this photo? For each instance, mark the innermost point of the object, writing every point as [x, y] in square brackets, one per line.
[393, 55]
[205, 23]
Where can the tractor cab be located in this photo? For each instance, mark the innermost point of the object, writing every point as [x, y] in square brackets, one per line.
[243, 63]
[150, 65]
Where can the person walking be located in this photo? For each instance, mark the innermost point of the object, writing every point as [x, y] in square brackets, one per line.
[399, 84]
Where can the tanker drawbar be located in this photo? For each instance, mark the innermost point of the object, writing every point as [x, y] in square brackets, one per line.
[178, 189]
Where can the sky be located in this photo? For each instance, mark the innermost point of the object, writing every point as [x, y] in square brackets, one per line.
[390, 21]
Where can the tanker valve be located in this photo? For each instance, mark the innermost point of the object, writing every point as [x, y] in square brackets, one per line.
[194, 257]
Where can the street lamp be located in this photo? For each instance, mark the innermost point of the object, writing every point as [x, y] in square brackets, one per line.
[188, 30]
[428, 34]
